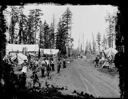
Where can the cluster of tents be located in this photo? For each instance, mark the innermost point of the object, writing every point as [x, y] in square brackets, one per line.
[19, 51]
[106, 58]
[29, 48]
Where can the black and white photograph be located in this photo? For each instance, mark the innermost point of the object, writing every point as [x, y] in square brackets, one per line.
[54, 51]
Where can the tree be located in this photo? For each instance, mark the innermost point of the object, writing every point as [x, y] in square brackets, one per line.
[41, 36]
[46, 35]
[14, 19]
[86, 51]
[90, 48]
[87, 47]
[33, 25]
[23, 27]
[18, 20]
[93, 44]
[3, 28]
[71, 46]
[61, 38]
[104, 42]
[58, 36]
[99, 40]
[66, 21]
[30, 23]
[111, 19]
[52, 34]
[7, 86]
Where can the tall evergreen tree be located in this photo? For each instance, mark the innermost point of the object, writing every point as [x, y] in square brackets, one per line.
[14, 19]
[66, 21]
[3, 28]
[111, 19]
[90, 48]
[41, 36]
[7, 86]
[30, 37]
[33, 24]
[104, 42]
[87, 47]
[99, 40]
[61, 38]
[52, 38]
[93, 44]
[23, 27]
[46, 35]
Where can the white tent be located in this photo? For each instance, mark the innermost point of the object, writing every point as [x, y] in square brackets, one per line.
[34, 47]
[49, 51]
[110, 51]
[21, 57]
[29, 48]
[20, 47]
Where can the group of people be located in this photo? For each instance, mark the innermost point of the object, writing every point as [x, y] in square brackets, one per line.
[102, 60]
[44, 65]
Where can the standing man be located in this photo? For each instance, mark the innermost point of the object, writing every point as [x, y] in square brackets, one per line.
[35, 79]
[64, 63]
[97, 61]
[52, 65]
[43, 67]
[23, 75]
[24, 67]
[48, 67]
[58, 65]
[29, 57]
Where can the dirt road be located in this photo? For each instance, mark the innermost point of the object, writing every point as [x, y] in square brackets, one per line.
[81, 76]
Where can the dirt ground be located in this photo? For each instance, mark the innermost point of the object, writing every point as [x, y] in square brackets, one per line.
[80, 75]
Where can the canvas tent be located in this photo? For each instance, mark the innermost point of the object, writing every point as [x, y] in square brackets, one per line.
[29, 48]
[49, 51]
[21, 57]
[20, 47]
[110, 51]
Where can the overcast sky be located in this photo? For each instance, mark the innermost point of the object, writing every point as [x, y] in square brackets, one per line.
[85, 19]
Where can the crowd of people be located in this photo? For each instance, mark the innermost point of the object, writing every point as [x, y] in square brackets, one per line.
[45, 65]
